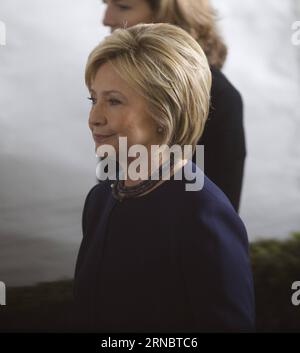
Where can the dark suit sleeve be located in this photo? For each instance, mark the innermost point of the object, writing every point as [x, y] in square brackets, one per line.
[224, 141]
[216, 271]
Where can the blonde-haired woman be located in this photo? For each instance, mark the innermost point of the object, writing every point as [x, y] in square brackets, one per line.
[155, 257]
[223, 138]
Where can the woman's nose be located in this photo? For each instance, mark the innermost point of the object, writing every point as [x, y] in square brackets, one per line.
[97, 118]
[109, 18]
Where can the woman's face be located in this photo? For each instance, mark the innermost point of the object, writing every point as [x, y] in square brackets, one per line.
[126, 13]
[119, 111]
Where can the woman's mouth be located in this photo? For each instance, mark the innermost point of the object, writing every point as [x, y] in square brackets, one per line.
[101, 138]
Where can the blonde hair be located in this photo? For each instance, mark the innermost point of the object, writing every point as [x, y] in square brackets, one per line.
[168, 68]
[198, 18]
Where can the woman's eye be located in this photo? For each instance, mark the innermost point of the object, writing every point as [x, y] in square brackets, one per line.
[93, 100]
[113, 101]
[124, 7]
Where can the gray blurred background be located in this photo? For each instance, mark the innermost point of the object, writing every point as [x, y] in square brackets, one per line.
[46, 152]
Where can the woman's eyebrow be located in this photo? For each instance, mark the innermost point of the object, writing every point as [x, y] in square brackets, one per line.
[114, 1]
[107, 93]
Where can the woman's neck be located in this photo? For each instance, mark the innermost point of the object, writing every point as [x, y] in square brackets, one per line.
[177, 166]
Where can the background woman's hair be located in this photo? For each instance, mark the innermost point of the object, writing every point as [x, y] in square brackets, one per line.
[166, 66]
[198, 18]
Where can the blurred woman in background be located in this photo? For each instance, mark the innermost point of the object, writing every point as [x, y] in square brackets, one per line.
[223, 138]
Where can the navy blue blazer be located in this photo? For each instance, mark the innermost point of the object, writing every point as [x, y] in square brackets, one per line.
[170, 261]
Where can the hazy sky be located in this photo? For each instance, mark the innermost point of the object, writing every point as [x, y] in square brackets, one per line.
[46, 152]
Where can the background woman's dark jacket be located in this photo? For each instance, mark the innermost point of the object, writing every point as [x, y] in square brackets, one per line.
[224, 138]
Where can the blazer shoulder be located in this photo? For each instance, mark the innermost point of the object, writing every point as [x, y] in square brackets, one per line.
[93, 201]
[98, 191]
[209, 209]
[210, 195]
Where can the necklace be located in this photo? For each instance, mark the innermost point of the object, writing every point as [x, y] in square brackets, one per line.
[120, 191]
